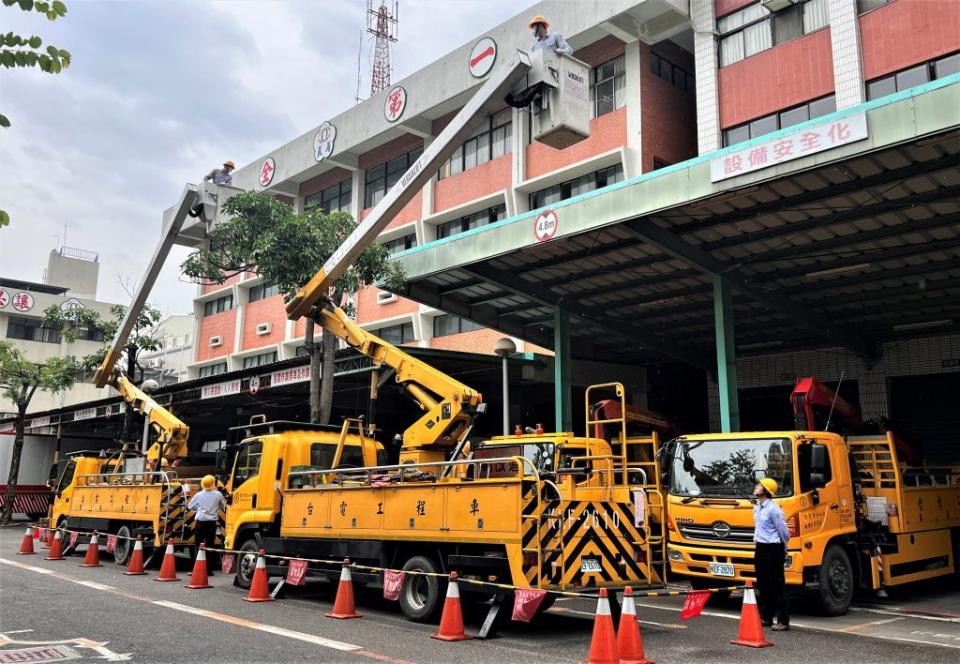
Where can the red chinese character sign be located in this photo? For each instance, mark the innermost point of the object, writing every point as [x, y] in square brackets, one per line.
[267, 169]
[4, 298]
[22, 301]
[483, 55]
[800, 143]
[395, 103]
[545, 225]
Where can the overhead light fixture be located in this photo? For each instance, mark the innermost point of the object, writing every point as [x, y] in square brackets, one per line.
[837, 271]
[761, 344]
[924, 325]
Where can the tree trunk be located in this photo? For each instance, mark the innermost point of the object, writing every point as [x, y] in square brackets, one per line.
[314, 351]
[329, 353]
[14, 464]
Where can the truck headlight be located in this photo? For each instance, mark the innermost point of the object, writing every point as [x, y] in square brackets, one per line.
[675, 555]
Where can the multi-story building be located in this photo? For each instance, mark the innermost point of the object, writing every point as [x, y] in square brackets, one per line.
[671, 83]
[168, 364]
[70, 280]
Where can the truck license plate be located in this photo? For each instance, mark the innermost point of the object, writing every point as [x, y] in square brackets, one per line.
[590, 565]
[721, 569]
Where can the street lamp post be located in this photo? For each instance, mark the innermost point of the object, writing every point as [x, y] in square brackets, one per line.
[504, 347]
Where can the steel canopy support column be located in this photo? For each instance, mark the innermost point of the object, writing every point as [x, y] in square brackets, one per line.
[563, 403]
[726, 355]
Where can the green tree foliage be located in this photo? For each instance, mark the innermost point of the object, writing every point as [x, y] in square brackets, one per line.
[28, 51]
[266, 237]
[19, 381]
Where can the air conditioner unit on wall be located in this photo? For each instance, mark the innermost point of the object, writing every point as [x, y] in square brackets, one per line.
[155, 363]
[264, 328]
[383, 297]
[216, 341]
[777, 5]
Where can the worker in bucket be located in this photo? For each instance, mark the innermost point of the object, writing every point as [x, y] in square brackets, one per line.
[771, 537]
[207, 504]
[543, 38]
[221, 175]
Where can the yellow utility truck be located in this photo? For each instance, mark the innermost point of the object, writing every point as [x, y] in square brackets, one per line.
[858, 516]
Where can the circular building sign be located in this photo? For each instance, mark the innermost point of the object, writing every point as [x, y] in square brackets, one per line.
[395, 103]
[324, 140]
[482, 57]
[545, 225]
[267, 169]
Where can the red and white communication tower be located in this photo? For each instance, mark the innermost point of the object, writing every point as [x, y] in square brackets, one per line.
[382, 24]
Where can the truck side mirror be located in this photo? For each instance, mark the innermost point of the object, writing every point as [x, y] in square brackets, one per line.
[818, 480]
[818, 459]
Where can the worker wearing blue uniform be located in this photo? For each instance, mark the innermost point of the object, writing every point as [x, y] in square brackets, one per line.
[771, 537]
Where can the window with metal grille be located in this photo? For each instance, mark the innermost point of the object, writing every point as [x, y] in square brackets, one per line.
[380, 179]
[580, 185]
[259, 360]
[224, 303]
[608, 82]
[465, 223]
[780, 120]
[31, 329]
[396, 334]
[332, 199]
[263, 291]
[754, 29]
[672, 73]
[401, 244]
[213, 370]
[489, 142]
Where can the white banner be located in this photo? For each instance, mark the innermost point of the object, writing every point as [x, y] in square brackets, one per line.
[220, 389]
[287, 376]
[85, 414]
[39, 422]
[793, 146]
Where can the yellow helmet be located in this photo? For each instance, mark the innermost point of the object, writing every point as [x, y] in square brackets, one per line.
[229, 162]
[538, 19]
[208, 482]
[770, 485]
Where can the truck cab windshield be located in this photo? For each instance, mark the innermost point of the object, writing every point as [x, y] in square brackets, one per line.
[730, 468]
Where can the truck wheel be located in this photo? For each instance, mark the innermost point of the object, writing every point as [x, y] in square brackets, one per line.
[246, 563]
[836, 582]
[121, 553]
[420, 595]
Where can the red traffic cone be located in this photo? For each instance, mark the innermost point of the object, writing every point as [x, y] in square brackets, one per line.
[629, 639]
[259, 586]
[603, 644]
[198, 579]
[92, 559]
[56, 549]
[751, 631]
[168, 570]
[135, 566]
[451, 620]
[343, 605]
[26, 546]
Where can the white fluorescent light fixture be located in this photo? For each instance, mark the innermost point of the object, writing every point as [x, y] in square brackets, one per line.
[837, 271]
[761, 344]
[924, 325]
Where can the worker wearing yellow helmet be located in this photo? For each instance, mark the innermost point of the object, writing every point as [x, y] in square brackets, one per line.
[543, 38]
[771, 538]
[207, 504]
[221, 175]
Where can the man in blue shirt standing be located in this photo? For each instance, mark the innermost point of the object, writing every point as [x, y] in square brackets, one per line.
[771, 537]
[543, 38]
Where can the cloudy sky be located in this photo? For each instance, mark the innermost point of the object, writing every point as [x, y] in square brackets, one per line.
[159, 92]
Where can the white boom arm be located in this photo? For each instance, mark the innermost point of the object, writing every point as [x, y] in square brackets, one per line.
[453, 135]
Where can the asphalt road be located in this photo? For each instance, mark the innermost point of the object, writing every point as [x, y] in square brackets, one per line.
[61, 611]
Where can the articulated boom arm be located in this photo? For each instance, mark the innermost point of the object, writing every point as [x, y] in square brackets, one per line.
[490, 94]
[449, 405]
[810, 392]
[171, 433]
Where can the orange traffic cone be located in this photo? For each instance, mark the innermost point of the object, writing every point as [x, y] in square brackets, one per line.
[198, 579]
[135, 566]
[751, 631]
[26, 546]
[343, 605]
[56, 549]
[92, 559]
[259, 586]
[168, 570]
[629, 639]
[451, 620]
[603, 644]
